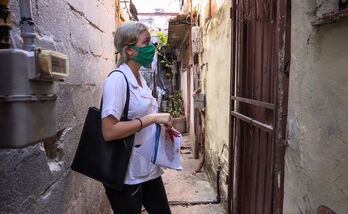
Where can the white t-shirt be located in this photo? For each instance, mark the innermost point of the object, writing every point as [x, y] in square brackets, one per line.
[141, 103]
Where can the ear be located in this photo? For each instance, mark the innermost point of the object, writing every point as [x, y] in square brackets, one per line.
[130, 51]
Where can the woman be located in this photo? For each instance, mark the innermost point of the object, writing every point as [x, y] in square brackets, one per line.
[143, 183]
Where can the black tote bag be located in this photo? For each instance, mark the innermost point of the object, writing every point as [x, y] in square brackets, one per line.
[103, 161]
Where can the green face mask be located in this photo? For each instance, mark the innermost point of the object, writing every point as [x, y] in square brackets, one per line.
[145, 54]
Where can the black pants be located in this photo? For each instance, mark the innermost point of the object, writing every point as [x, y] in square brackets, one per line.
[151, 194]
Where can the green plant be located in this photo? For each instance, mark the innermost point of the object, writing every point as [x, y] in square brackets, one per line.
[162, 39]
[175, 104]
[167, 64]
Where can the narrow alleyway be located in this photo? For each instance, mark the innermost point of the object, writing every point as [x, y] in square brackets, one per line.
[189, 192]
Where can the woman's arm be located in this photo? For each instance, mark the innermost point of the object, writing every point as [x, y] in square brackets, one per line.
[114, 129]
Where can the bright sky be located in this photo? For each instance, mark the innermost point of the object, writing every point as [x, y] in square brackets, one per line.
[146, 6]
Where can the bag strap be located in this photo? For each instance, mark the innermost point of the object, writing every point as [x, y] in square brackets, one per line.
[126, 106]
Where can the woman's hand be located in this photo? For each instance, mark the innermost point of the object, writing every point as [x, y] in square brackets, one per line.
[164, 118]
[174, 132]
[171, 133]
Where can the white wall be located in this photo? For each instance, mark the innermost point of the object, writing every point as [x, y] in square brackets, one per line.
[316, 161]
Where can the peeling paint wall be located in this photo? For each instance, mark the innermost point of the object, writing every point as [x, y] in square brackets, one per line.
[38, 179]
[216, 86]
[316, 160]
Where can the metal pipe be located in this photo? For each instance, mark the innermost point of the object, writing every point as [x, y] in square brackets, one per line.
[27, 25]
[218, 197]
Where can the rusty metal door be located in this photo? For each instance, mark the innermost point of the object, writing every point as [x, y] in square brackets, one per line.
[259, 94]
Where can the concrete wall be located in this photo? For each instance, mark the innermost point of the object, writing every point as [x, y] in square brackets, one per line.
[317, 158]
[38, 179]
[216, 86]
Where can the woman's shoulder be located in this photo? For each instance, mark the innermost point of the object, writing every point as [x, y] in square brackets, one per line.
[118, 72]
[115, 77]
[115, 74]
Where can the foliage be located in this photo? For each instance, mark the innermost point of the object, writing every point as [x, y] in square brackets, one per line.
[175, 104]
[167, 64]
[162, 39]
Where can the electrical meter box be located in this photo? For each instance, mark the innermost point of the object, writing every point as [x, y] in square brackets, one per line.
[27, 95]
[51, 65]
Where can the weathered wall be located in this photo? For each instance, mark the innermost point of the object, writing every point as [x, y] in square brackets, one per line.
[317, 158]
[216, 80]
[38, 179]
[184, 76]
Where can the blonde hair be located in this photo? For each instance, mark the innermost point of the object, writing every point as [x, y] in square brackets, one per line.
[126, 34]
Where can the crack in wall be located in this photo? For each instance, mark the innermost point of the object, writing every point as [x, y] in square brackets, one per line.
[84, 17]
[47, 192]
[79, 50]
[95, 55]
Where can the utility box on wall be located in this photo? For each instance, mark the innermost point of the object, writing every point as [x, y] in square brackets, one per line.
[27, 94]
[51, 65]
[27, 97]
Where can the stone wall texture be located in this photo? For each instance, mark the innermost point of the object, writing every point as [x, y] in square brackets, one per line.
[317, 157]
[38, 178]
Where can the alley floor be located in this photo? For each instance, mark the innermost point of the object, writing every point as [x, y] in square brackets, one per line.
[189, 192]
